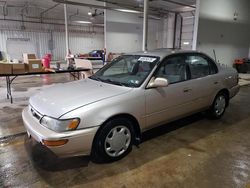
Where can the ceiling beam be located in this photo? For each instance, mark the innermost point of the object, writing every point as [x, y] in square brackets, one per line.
[179, 3]
[82, 4]
[47, 10]
[153, 11]
[134, 7]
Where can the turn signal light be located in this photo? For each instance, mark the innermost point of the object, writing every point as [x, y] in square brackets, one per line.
[54, 142]
[73, 124]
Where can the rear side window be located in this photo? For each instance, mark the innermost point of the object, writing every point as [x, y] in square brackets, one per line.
[200, 66]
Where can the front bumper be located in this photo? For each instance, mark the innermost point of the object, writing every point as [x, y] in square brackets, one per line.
[79, 141]
[234, 90]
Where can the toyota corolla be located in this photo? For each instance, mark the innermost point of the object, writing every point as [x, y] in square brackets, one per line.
[104, 115]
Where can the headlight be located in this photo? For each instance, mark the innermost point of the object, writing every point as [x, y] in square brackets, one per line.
[60, 125]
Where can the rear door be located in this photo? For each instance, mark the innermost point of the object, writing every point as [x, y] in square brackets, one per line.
[204, 79]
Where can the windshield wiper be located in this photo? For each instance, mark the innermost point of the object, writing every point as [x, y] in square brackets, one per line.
[113, 82]
[95, 78]
[108, 81]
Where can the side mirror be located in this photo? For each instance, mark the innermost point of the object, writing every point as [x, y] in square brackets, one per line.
[158, 82]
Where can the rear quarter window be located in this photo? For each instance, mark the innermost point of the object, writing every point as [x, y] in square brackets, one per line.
[200, 66]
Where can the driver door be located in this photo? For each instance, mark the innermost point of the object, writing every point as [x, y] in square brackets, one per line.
[165, 104]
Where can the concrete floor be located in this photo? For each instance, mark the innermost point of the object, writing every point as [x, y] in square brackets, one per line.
[193, 152]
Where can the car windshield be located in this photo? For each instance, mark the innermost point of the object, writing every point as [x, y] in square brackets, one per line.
[127, 70]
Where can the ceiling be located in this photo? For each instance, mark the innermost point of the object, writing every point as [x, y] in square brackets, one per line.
[52, 9]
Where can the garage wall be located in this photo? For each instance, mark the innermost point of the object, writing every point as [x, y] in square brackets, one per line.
[124, 32]
[82, 39]
[218, 30]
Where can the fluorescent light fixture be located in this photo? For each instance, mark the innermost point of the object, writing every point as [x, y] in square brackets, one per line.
[83, 22]
[186, 43]
[102, 25]
[128, 10]
[188, 17]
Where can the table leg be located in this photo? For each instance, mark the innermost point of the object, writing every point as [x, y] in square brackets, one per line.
[8, 83]
[73, 74]
[7, 86]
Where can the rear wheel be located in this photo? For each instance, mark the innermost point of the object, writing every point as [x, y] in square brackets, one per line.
[219, 106]
[113, 141]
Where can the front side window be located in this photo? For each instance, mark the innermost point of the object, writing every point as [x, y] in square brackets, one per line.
[200, 66]
[173, 69]
[127, 70]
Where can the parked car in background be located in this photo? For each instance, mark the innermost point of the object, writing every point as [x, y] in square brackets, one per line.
[104, 115]
[96, 53]
[93, 54]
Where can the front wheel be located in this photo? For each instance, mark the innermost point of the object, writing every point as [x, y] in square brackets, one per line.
[219, 106]
[113, 141]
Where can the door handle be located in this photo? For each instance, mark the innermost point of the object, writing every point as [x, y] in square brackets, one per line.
[216, 82]
[186, 90]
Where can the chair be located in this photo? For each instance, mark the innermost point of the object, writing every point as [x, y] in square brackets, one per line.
[84, 63]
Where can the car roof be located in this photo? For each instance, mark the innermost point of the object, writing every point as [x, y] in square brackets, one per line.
[162, 53]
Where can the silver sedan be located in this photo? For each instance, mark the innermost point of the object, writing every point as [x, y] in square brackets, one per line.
[104, 115]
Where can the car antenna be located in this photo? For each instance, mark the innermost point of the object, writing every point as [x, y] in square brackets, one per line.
[215, 58]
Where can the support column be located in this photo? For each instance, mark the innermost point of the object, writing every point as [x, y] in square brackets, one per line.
[164, 32]
[105, 34]
[145, 27]
[249, 52]
[196, 24]
[66, 30]
[171, 30]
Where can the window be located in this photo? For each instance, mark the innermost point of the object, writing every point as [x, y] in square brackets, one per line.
[173, 69]
[121, 67]
[200, 66]
[127, 70]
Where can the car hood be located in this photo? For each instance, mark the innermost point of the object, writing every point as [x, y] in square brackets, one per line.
[62, 98]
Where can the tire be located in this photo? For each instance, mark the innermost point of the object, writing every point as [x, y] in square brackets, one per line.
[219, 105]
[113, 141]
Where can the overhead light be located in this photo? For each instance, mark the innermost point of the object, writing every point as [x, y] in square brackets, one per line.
[102, 25]
[83, 22]
[188, 17]
[90, 13]
[128, 11]
[186, 43]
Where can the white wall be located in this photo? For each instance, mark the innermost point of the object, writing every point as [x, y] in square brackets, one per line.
[82, 39]
[217, 29]
[124, 32]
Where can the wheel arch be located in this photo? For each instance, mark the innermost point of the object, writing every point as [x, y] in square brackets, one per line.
[131, 118]
[226, 92]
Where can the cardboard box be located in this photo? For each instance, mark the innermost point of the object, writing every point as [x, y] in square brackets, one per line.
[5, 68]
[18, 68]
[34, 65]
[26, 57]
